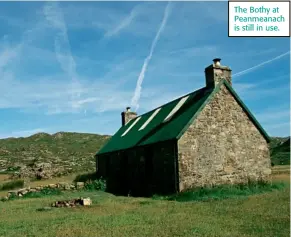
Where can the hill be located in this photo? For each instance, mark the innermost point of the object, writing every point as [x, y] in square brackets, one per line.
[62, 152]
[280, 151]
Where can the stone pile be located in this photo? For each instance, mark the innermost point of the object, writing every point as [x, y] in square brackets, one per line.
[60, 186]
[73, 203]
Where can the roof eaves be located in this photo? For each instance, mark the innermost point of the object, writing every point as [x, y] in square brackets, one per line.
[100, 150]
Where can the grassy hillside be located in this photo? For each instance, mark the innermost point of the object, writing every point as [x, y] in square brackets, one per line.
[73, 152]
[280, 151]
[67, 151]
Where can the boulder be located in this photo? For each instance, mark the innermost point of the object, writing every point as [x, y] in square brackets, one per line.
[64, 186]
[87, 202]
[52, 186]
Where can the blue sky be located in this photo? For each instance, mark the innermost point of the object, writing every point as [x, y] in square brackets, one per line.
[74, 66]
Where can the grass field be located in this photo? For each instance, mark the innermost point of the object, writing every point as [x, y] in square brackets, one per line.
[265, 214]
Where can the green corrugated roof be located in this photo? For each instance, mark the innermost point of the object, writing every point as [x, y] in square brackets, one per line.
[157, 130]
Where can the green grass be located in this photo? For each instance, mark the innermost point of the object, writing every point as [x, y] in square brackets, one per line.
[223, 192]
[11, 185]
[263, 214]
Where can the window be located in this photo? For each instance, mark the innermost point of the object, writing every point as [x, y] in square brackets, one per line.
[150, 119]
[176, 108]
[131, 126]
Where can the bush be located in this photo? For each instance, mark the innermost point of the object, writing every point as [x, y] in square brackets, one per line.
[98, 184]
[85, 177]
[13, 169]
[43, 192]
[12, 185]
[222, 192]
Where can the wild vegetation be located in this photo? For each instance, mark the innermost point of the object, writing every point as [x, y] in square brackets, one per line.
[45, 156]
[9, 185]
[224, 192]
[280, 151]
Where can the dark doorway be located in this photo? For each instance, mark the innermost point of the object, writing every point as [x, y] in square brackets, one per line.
[124, 179]
[149, 170]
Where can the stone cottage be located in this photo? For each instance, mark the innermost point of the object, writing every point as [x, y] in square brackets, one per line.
[207, 137]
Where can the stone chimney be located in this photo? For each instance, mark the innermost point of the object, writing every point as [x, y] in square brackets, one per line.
[215, 73]
[127, 115]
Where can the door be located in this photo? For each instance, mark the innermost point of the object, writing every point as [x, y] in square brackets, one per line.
[149, 170]
[124, 179]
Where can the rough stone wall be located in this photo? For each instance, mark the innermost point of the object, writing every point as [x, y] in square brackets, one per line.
[140, 175]
[222, 146]
[215, 74]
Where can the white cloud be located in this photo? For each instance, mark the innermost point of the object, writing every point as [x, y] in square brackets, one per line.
[23, 133]
[8, 54]
[109, 84]
[54, 15]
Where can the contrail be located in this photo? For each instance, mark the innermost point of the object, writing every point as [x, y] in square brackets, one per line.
[137, 92]
[54, 15]
[259, 65]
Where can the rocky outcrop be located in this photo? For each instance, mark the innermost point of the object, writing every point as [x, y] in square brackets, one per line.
[40, 171]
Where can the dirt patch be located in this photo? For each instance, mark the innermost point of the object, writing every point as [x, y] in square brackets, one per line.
[281, 177]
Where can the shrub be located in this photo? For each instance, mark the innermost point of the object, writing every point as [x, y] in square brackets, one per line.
[85, 177]
[12, 185]
[43, 192]
[222, 192]
[13, 169]
[98, 184]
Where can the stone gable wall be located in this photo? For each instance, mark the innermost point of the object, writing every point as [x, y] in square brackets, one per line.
[222, 146]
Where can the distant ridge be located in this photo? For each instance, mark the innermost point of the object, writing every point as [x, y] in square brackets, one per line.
[75, 151]
[67, 149]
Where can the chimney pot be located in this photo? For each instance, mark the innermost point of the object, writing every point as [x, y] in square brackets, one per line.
[217, 61]
[215, 73]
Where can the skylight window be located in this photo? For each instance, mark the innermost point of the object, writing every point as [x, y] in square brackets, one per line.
[131, 126]
[176, 108]
[150, 119]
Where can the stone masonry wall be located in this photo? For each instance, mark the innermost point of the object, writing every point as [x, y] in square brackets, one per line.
[222, 146]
